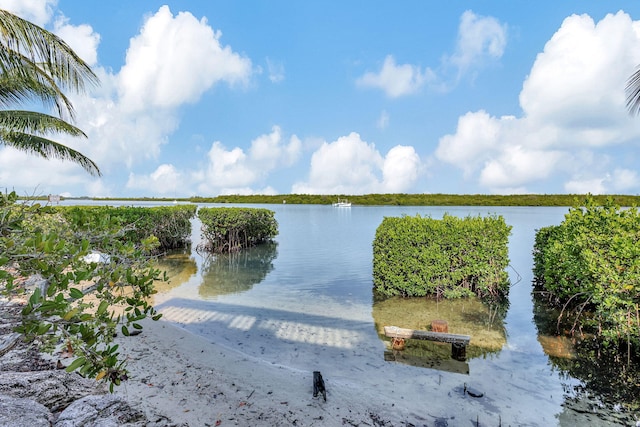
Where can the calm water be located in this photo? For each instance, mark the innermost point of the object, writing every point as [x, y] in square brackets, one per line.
[306, 303]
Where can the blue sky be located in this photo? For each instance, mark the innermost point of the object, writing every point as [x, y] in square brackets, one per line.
[275, 97]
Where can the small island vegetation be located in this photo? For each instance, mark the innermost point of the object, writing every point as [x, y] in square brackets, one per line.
[589, 267]
[227, 230]
[448, 258]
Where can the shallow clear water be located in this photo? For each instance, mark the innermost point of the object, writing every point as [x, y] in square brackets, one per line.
[306, 303]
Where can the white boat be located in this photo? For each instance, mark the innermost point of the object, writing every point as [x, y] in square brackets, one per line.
[342, 204]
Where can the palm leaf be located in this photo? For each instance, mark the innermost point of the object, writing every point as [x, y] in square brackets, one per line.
[34, 144]
[18, 86]
[632, 91]
[47, 50]
[38, 123]
[36, 65]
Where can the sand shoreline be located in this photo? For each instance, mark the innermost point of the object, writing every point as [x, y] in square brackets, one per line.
[194, 382]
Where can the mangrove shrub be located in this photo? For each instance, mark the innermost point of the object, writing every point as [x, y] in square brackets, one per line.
[591, 263]
[71, 301]
[452, 257]
[170, 225]
[234, 229]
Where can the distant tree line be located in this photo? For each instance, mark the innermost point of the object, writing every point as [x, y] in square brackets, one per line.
[402, 199]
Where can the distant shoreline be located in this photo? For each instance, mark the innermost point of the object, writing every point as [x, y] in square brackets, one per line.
[394, 199]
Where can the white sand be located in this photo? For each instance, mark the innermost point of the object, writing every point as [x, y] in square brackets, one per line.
[194, 382]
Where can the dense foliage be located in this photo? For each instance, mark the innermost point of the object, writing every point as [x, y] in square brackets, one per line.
[591, 263]
[74, 302]
[170, 225]
[233, 229]
[452, 257]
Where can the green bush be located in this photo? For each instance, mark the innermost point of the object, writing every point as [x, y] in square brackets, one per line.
[452, 257]
[233, 229]
[591, 263]
[74, 303]
[170, 225]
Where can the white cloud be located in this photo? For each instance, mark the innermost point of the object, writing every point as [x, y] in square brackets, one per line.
[383, 120]
[576, 83]
[276, 70]
[268, 151]
[396, 80]
[479, 38]
[81, 38]
[174, 60]
[625, 180]
[37, 11]
[593, 186]
[572, 101]
[475, 140]
[234, 171]
[37, 174]
[400, 169]
[165, 180]
[517, 165]
[350, 165]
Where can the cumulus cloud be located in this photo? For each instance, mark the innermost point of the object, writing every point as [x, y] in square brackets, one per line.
[474, 142]
[396, 80]
[165, 180]
[400, 169]
[236, 171]
[226, 170]
[572, 102]
[174, 60]
[350, 165]
[81, 38]
[129, 118]
[480, 39]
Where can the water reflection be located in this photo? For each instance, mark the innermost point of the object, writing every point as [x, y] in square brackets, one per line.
[466, 316]
[236, 272]
[180, 266]
[610, 377]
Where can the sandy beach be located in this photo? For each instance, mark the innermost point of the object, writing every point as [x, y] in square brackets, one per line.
[194, 382]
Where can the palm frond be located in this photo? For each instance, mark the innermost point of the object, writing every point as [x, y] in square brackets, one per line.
[36, 65]
[46, 148]
[632, 91]
[47, 50]
[29, 84]
[36, 123]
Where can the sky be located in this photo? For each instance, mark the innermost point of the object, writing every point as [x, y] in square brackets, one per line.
[208, 97]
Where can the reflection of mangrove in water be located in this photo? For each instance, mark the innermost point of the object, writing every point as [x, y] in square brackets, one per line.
[610, 375]
[466, 316]
[179, 267]
[237, 272]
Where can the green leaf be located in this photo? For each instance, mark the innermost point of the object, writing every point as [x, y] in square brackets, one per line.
[125, 331]
[76, 293]
[35, 297]
[102, 307]
[80, 361]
